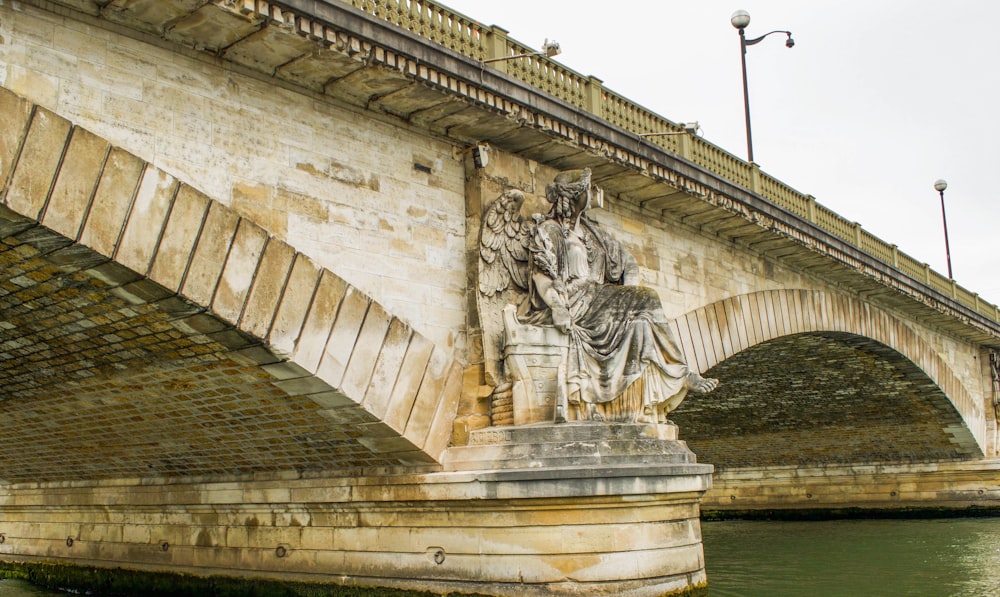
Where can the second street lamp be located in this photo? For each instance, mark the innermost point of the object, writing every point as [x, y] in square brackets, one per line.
[940, 185]
[740, 19]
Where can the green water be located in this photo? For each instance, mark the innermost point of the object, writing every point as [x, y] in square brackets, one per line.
[933, 558]
[849, 558]
[20, 588]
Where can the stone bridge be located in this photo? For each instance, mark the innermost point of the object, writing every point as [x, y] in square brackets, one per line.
[238, 333]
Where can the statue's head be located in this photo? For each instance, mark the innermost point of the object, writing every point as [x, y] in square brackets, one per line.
[569, 193]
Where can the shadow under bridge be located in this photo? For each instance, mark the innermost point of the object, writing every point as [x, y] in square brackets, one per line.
[837, 382]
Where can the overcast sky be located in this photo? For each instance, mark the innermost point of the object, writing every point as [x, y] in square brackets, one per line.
[876, 101]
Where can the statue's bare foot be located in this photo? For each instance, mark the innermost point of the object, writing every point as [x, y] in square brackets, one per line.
[700, 385]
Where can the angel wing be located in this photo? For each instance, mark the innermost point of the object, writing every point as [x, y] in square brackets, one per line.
[503, 245]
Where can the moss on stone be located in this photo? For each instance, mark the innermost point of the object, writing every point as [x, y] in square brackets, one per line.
[848, 513]
[125, 582]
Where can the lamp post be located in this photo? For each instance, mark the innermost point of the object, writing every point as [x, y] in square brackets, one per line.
[740, 19]
[940, 185]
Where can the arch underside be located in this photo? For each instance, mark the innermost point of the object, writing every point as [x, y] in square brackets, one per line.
[148, 330]
[823, 398]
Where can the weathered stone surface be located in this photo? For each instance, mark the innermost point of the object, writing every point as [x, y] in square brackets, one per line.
[408, 380]
[213, 26]
[427, 531]
[439, 435]
[42, 150]
[343, 337]
[146, 220]
[269, 48]
[17, 114]
[113, 198]
[570, 445]
[239, 272]
[387, 369]
[174, 253]
[147, 14]
[268, 284]
[367, 349]
[316, 332]
[429, 397]
[76, 183]
[208, 257]
[295, 301]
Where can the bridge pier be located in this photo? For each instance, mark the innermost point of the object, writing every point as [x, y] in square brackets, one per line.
[613, 512]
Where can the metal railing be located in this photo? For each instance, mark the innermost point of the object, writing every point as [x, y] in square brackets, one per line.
[466, 36]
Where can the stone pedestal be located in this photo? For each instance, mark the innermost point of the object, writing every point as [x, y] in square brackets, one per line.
[612, 509]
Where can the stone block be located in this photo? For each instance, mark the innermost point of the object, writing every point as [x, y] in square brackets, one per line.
[111, 203]
[15, 112]
[294, 305]
[408, 378]
[75, 257]
[367, 349]
[36, 168]
[134, 533]
[441, 427]
[387, 368]
[428, 397]
[389, 445]
[239, 271]
[303, 385]
[214, 26]
[317, 538]
[76, 183]
[179, 237]
[330, 399]
[146, 220]
[343, 338]
[12, 223]
[316, 329]
[265, 291]
[209, 255]
[254, 356]
[285, 370]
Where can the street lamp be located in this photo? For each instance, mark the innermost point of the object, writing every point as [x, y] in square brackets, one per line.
[740, 19]
[940, 185]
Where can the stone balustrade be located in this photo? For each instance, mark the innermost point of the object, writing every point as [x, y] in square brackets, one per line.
[468, 37]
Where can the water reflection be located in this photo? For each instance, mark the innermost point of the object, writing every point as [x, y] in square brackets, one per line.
[20, 588]
[948, 557]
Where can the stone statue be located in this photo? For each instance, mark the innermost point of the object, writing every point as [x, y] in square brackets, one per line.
[621, 361]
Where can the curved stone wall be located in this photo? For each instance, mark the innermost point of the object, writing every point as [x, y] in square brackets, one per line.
[814, 378]
[149, 330]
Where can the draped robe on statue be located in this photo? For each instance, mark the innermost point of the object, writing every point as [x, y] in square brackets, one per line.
[618, 333]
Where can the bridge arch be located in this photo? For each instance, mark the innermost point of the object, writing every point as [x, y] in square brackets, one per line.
[834, 348]
[192, 341]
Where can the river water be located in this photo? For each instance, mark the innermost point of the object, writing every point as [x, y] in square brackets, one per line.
[844, 558]
[933, 558]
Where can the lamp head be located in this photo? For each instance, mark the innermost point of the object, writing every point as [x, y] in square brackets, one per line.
[740, 19]
[940, 185]
[789, 42]
[551, 48]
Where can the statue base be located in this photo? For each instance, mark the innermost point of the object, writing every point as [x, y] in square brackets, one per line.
[591, 508]
[586, 444]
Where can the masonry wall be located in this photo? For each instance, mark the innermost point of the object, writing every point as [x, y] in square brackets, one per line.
[372, 200]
